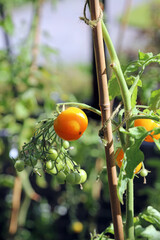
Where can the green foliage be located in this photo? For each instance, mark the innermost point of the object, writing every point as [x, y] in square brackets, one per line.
[155, 100]
[133, 76]
[147, 224]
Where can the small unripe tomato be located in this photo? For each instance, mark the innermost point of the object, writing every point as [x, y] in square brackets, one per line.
[49, 165]
[52, 154]
[70, 178]
[119, 159]
[144, 172]
[71, 124]
[73, 178]
[148, 124]
[61, 177]
[19, 165]
[66, 144]
[83, 175]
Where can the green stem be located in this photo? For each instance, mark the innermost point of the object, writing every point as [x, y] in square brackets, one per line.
[126, 97]
[154, 118]
[130, 211]
[115, 64]
[81, 106]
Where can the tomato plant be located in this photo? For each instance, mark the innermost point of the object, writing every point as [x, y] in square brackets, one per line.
[49, 144]
[71, 124]
[148, 124]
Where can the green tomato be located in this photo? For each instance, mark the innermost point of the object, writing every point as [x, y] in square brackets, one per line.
[66, 144]
[61, 156]
[59, 164]
[49, 165]
[83, 175]
[70, 165]
[52, 171]
[77, 178]
[61, 177]
[57, 167]
[73, 178]
[52, 154]
[144, 172]
[70, 178]
[19, 165]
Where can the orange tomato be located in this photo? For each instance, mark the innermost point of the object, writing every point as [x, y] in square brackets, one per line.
[119, 159]
[148, 124]
[71, 124]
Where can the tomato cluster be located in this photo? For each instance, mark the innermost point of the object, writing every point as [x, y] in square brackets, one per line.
[65, 169]
[119, 159]
[57, 162]
[49, 147]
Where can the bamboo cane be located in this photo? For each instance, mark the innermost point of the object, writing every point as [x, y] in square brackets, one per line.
[104, 104]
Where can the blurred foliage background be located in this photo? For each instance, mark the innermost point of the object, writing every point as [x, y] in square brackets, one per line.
[29, 90]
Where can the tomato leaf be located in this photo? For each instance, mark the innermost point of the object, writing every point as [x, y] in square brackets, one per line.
[113, 86]
[157, 142]
[138, 132]
[150, 233]
[151, 215]
[133, 156]
[134, 97]
[155, 100]
[144, 56]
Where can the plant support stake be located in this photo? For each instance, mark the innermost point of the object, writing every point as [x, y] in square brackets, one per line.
[105, 114]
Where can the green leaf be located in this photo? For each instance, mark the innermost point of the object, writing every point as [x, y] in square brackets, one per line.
[132, 67]
[144, 56]
[155, 100]
[122, 185]
[138, 132]
[150, 233]
[134, 156]
[157, 142]
[113, 86]
[134, 97]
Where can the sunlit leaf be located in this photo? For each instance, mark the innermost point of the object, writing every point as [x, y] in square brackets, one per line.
[144, 56]
[114, 89]
[155, 100]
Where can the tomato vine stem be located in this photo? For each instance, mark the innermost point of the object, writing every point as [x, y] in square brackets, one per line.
[80, 105]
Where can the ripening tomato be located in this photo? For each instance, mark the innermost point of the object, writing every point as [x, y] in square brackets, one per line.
[71, 124]
[119, 159]
[148, 124]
